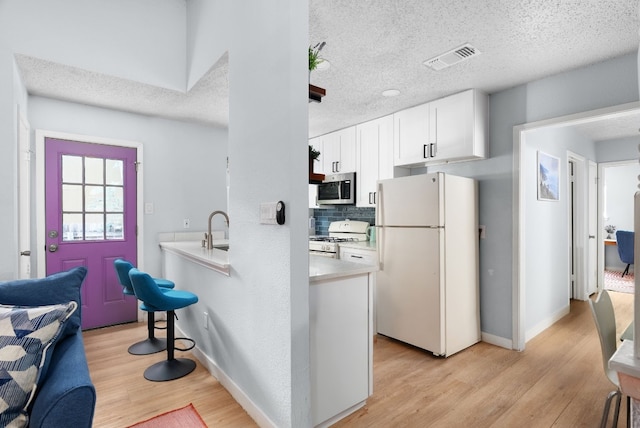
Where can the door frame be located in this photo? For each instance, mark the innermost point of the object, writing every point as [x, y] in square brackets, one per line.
[597, 236]
[602, 167]
[40, 189]
[518, 304]
[24, 195]
[580, 248]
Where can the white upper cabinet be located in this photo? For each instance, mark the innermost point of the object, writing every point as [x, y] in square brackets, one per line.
[339, 151]
[449, 129]
[374, 151]
[411, 135]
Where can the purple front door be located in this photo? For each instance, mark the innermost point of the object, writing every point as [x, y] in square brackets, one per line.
[90, 209]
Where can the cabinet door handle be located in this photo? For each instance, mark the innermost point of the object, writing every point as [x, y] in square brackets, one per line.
[337, 166]
[353, 256]
[424, 151]
[374, 197]
[432, 150]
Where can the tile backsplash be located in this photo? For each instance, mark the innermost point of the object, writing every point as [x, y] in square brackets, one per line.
[325, 216]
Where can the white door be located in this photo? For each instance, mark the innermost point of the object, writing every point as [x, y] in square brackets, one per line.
[410, 201]
[408, 287]
[592, 221]
[24, 203]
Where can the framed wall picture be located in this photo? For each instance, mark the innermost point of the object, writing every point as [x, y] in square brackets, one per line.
[548, 177]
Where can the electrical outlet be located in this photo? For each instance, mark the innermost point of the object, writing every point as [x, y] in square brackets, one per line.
[185, 223]
[205, 320]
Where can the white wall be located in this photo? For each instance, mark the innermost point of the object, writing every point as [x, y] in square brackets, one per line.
[142, 40]
[621, 183]
[547, 263]
[208, 36]
[619, 149]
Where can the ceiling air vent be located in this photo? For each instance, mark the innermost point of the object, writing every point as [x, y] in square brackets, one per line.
[456, 55]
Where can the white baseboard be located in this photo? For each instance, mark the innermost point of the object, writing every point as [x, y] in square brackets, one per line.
[502, 342]
[236, 392]
[546, 323]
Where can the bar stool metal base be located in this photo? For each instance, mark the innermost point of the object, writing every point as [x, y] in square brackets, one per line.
[169, 369]
[148, 346]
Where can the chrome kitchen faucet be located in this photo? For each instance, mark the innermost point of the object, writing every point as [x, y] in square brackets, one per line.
[209, 236]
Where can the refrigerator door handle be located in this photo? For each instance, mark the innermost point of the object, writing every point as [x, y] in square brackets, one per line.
[380, 246]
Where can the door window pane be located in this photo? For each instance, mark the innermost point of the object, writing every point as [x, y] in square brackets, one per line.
[114, 171]
[72, 197]
[114, 202]
[94, 199]
[115, 229]
[71, 227]
[92, 187]
[93, 171]
[94, 227]
[71, 169]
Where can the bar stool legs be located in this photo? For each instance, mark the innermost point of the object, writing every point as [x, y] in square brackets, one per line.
[151, 344]
[171, 368]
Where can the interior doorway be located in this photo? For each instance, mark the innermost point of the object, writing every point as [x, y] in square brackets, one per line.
[525, 290]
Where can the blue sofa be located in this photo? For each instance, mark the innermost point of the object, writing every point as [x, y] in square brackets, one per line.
[65, 395]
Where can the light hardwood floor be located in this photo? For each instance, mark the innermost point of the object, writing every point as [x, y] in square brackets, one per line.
[558, 381]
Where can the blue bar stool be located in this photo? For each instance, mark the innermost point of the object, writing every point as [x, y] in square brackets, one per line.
[151, 344]
[155, 299]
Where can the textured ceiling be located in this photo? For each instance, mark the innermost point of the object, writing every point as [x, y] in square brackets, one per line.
[377, 45]
[207, 102]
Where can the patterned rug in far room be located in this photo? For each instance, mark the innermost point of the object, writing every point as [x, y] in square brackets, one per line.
[613, 281]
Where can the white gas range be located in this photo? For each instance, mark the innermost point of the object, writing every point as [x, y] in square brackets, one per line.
[339, 231]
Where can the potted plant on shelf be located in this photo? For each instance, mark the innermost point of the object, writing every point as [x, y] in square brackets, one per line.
[313, 156]
[314, 58]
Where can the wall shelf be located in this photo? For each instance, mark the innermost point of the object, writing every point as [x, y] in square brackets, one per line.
[315, 178]
[316, 93]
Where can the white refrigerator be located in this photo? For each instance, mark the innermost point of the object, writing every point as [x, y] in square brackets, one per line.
[427, 285]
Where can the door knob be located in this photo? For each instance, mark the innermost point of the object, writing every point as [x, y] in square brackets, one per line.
[25, 253]
[53, 248]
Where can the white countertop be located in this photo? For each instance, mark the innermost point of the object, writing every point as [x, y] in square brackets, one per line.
[192, 250]
[322, 268]
[623, 360]
[362, 245]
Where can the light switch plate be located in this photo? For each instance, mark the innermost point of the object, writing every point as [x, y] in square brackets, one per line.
[148, 208]
[268, 213]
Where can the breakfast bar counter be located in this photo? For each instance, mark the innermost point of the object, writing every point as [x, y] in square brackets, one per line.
[193, 251]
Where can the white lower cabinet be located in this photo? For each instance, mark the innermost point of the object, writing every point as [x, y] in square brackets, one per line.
[341, 347]
[355, 255]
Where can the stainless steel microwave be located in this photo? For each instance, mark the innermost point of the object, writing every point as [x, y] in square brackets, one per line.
[338, 189]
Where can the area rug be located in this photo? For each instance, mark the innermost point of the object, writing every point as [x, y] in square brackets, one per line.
[613, 281]
[185, 417]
